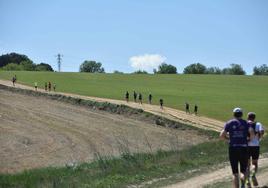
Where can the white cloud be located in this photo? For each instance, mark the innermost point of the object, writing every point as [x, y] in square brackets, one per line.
[146, 62]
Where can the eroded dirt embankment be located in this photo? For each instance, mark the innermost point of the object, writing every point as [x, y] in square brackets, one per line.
[36, 131]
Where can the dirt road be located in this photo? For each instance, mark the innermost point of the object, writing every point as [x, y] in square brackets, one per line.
[173, 114]
[219, 175]
[38, 132]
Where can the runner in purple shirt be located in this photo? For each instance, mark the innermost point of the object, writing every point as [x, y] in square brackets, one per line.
[236, 132]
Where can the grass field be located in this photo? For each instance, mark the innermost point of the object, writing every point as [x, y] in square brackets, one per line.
[216, 95]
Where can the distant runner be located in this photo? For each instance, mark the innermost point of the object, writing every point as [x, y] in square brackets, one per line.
[195, 109]
[150, 98]
[45, 86]
[254, 148]
[54, 87]
[49, 86]
[127, 96]
[140, 98]
[13, 80]
[161, 103]
[236, 132]
[135, 96]
[35, 86]
[187, 108]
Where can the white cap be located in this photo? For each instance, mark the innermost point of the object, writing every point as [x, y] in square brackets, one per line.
[237, 110]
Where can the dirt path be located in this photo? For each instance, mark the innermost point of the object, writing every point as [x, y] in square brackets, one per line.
[219, 175]
[173, 114]
[38, 132]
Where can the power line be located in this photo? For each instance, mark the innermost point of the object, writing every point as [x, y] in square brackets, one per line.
[59, 58]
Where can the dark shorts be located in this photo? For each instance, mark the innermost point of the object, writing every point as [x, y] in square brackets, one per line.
[238, 155]
[254, 152]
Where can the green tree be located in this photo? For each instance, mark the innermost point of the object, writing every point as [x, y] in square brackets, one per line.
[43, 67]
[196, 68]
[13, 58]
[235, 69]
[118, 72]
[91, 66]
[12, 67]
[213, 70]
[166, 69]
[140, 72]
[261, 70]
[27, 65]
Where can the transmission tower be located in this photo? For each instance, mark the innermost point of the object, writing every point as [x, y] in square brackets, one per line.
[59, 58]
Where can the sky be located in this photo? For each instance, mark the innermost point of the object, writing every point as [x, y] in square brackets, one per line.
[128, 35]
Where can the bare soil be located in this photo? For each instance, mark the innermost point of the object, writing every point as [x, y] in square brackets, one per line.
[39, 132]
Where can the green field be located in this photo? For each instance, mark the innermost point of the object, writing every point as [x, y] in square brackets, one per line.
[216, 95]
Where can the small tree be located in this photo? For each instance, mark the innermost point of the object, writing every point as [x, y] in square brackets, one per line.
[196, 68]
[166, 69]
[213, 70]
[27, 65]
[91, 66]
[140, 72]
[43, 67]
[235, 69]
[261, 70]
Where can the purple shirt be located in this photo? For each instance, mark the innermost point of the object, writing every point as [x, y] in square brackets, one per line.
[238, 132]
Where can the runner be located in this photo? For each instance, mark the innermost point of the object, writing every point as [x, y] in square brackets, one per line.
[150, 98]
[236, 132]
[254, 148]
[54, 87]
[13, 80]
[35, 86]
[135, 96]
[127, 96]
[187, 108]
[49, 86]
[45, 86]
[161, 103]
[195, 109]
[140, 98]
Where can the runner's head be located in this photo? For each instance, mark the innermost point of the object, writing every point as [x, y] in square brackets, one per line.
[251, 116]
[238, 112]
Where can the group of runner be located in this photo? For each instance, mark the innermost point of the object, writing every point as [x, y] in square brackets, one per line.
[139, 97]
[48, 86]
[244, 147]
[187, 108]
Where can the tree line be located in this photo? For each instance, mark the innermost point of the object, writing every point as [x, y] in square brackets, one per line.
[14, 61]
[17, 62]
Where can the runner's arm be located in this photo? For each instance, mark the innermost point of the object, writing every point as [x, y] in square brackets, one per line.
[251, 133]
[224, 135]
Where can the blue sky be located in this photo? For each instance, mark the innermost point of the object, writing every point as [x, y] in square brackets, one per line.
[126, 35]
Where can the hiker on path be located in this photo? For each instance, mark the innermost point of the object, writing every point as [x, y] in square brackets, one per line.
[135, 96]
[49, 86]
[187, 108]
[13, 80]
[54, 87]
[45, 86]
[140, 98]
[127, 96]
[254, 148]
[161, 103]
[150, 98]
[35, 86]
[195, 109]
[236, 132]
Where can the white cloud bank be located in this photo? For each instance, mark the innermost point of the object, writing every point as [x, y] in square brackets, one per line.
[146, 62]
